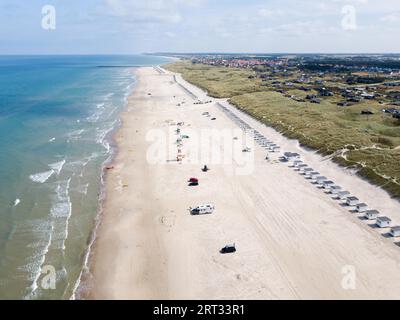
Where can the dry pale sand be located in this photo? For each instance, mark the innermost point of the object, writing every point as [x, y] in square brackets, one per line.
[293, 240]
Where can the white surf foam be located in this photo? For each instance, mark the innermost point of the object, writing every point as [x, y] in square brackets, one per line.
[41, 177]
[17, 202]
[57, 167]
[35, 268]
[62, 210]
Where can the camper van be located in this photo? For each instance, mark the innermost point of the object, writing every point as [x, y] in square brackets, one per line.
[202, 209]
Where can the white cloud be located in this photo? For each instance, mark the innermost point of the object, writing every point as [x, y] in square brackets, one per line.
[269, 13]
[394, 17]
[149, 11]
[170, 34]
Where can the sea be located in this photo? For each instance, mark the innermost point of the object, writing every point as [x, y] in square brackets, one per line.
[57, 118]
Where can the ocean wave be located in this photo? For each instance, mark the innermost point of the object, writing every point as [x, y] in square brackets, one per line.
[37, 260]
[109, 95]
[101, 137]
[57, 167]
[75, 135]
[16, 202]
[41, 177]
[83, 189]
[61, 211]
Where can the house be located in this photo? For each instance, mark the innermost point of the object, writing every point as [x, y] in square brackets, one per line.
[323, 92]
[371, 214]
[362, 207]
[311, 96]
[395, 232]
[366, 112]
[368, 96]
[383, 222]
[354, 99]
[352, 201]
[316, 101]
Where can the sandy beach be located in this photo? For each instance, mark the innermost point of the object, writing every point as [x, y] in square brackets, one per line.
[293, 241]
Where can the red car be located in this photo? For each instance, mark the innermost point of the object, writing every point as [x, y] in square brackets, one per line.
[193, 182]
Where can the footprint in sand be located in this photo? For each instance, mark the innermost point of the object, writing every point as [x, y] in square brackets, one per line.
[167, 221]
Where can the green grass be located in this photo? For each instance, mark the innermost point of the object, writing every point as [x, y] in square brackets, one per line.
[371, 141]
[219, 82]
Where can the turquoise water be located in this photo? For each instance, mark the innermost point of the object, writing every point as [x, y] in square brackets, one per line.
[57, 114]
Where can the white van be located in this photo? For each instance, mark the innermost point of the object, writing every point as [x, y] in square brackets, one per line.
[202, 209]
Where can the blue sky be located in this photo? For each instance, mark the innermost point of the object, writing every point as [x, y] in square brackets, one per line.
[135, 26]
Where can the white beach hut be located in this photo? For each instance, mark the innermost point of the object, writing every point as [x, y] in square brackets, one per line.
[395, 232]
[321, 179]
[305, 170]
[328, 184]
[335, 189]
[372, 214]
[312, 175]
[343, 195]
[352, 201]
[301, 166]
[383, 222]
[291, 156]
[362, 207]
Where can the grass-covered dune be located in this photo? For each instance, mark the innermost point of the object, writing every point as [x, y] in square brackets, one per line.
[370, 143]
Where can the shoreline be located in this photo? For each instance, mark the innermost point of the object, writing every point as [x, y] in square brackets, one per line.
[79, 290]
[142, 254]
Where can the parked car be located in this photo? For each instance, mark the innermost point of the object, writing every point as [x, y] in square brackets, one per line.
[229, 248]
[202, 209]
[193, 182]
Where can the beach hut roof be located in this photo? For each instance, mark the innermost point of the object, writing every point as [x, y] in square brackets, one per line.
[352, 198]
[383, 219]
[396, 228]
[372, 212]
[362, 205]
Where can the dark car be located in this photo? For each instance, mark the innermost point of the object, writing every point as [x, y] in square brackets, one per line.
[230, 248]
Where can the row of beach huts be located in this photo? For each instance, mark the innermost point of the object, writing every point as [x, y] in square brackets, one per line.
[269, 145]
[330, 187]
[337, 193]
